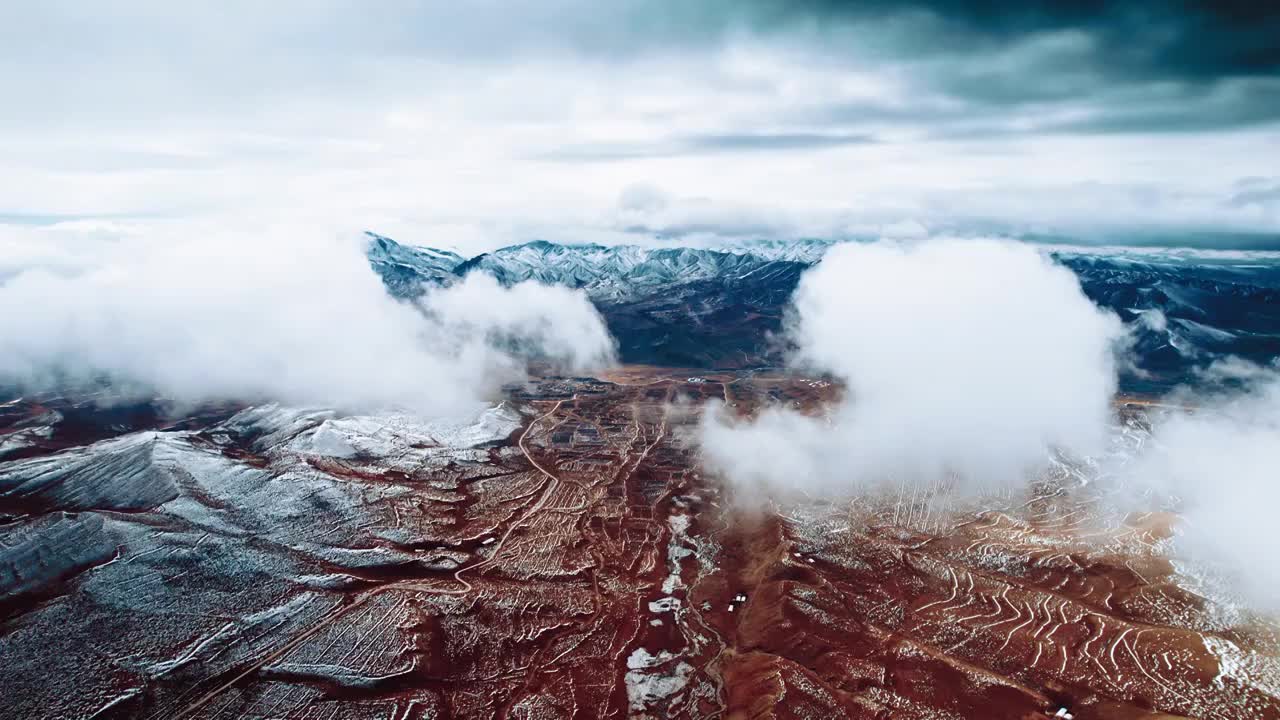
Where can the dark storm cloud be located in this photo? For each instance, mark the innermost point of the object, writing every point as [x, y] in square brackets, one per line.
[976, 69]
[1107, 109]
[1183, 39]
[1226, 106]
[1157, 65]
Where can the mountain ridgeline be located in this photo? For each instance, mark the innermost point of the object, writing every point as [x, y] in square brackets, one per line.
[694, 307]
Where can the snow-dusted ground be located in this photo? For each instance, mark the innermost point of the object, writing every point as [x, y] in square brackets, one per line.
[392, 435]
[132, 472]
[26, 437]
[185, 552]
[654, 678]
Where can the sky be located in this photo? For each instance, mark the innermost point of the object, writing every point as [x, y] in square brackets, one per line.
[476, 124]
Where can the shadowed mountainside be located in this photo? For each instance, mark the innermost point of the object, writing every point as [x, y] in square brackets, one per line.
[707, 308]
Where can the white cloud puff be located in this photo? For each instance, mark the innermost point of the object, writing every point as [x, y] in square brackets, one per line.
[294, 317]
[971, 359]
[1218, 464]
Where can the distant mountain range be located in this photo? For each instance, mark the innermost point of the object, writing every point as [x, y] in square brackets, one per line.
[702, 307]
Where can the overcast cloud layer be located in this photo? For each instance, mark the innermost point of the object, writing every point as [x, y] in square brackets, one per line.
[478, 124]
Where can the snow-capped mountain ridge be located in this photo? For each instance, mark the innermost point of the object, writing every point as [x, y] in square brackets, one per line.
[693, 306]
[613, 272]
[384, 249]
[604, 272]
[405, 269]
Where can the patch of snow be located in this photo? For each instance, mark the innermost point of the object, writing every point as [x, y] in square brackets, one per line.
[1244, 669]
[676, 552]
[391, 435]
[330, 442]
[274, 424]
[679, 524]
[336, 674]
[666, 604]
[24, 438]
[1224, 608]
[653, 678]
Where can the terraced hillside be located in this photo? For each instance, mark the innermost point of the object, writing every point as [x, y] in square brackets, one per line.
[561, 555]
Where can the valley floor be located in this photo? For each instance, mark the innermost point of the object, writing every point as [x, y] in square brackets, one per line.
[563, 556]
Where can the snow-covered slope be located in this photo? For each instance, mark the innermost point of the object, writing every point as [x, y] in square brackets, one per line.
[623, 271]
[605, 273]
[404, 269]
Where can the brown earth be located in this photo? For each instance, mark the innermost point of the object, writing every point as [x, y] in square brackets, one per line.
[596, 572]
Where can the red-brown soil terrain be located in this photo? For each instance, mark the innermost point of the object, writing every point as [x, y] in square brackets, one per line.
[565, 557]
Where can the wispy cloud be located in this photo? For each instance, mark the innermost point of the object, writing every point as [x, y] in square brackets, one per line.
[295, 316]
[1028, 367]
[710, 143]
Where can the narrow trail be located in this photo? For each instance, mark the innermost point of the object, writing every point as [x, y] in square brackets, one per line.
[549, 489]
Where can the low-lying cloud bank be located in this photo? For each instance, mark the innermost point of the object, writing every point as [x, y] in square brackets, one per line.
[292, 317]
[1218, 467]
[969, 359]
